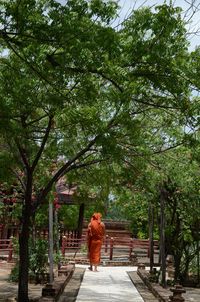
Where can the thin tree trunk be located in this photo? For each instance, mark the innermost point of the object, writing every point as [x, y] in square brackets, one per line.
[51, 241]
[80, 220]
[151, 249]
[162, 237]
[24, 257]
[56, 232]
[198, 273]
[24, 242]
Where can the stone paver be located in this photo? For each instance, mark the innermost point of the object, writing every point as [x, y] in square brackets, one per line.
[109, 284]
[192, 294]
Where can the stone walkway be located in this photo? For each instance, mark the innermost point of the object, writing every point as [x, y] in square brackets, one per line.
[71, 291]
[97, 287]
[108, 284]
[103, 282]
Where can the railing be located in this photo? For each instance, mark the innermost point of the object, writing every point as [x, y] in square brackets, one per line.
[71, 244]
[6, 246]
[118, 246]
[44, 233]
[112, 246]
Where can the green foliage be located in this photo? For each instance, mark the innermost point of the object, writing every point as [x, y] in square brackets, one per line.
[58, 258]
[180, 181]
[68, 216]
[98, 101]
[132, 207]
[42, 217]
[14, 274]
[38, 260]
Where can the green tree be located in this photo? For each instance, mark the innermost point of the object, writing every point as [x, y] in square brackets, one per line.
[76, 91]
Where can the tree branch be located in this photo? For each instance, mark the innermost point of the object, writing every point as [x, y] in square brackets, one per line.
[54, 63]
[64, 169]
[95, 71]
[155, 105]
[19, 178]
[23, 155]
[82, 165]
[42, 144]
[28, 36]
[37, 120]
[36, 71]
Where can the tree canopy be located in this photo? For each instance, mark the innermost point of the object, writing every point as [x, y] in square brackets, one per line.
[76, 92]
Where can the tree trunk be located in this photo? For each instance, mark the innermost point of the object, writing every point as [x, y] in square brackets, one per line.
[162, 237]
[80, 220]
[24, 256]
[51, 241]
[24, 241]
[198, 269]
[56, 231]
[177, 263]
[151, 248]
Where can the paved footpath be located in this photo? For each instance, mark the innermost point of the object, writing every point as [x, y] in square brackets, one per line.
[113, 284]
[109, 284]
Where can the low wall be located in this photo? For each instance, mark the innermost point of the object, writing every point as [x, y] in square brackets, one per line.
[158, 291]
[52, 292]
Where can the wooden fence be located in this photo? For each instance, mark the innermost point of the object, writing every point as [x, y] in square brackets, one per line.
[112, 246]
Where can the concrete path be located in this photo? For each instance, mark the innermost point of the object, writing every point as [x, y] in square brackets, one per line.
[110, 284]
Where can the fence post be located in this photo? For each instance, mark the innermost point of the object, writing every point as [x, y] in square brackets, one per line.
[1, 230]
[106, 244]
[130, 248]
[64, 240]
[149, 248]
[111, 247]
[10, 251]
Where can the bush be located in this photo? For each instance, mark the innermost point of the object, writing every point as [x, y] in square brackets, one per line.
[38, 257]
[38, 260]
[14, 274]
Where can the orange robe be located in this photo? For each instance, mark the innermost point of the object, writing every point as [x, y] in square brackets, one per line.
[96, 231]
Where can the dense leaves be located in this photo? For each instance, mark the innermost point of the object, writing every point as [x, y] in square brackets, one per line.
[76, 93]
